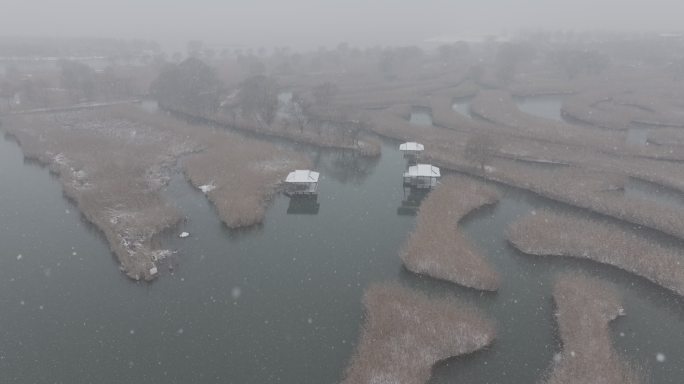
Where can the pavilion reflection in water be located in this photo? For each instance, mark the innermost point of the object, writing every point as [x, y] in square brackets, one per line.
[301, 205]
[411, 201]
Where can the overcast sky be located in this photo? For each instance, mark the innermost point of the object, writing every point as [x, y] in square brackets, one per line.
[309, 23]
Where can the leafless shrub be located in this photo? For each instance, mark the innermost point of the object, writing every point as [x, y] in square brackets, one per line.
[406, 333]
[436, 247]
[480, 149]
[549, 233]
[585, 307]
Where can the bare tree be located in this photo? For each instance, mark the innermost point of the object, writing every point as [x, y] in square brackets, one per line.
[78, 79]
[508, 60]
[7, 92]
[325, 93]
[190, 86]
[258, 98]
[480, 149]
[299, 110]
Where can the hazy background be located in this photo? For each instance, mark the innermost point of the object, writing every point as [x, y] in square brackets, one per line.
[309, 23]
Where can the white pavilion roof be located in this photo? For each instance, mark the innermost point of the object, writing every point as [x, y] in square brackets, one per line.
[411, 146]
[422, 170]
[302, 176]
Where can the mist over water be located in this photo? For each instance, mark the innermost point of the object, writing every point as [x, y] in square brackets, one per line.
[147, 231]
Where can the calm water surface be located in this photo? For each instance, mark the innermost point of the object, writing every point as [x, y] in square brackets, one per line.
[546, 106]
[421, 116]
[462, 106]
[277, 303]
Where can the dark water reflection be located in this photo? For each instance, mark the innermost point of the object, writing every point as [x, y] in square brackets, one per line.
[279, 303]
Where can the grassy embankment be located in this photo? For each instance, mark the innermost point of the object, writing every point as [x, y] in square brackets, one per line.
[549, 233]
[437, 248]
[406, 333]
[585, 308]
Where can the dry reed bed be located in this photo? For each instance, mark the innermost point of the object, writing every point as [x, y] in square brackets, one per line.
[499, 108]
[600, 192]
[437, 248]
[387, 93]
[240, 176]
[549, 233]
[406, 333]
[113, 163]
[537, 85]
[666, 136]
[113, 170]
[282, 130]
[641, 162]
[583, 107]
[443, 114]
[594, 185]
[585, 308]
[616, 109]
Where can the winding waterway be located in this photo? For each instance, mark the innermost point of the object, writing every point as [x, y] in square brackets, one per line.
[277, 303]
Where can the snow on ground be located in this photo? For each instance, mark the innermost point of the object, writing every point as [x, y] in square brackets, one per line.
[206, 188]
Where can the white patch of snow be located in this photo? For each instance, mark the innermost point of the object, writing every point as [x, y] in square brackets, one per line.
[161, 254]
[236, 292]
[206, 188]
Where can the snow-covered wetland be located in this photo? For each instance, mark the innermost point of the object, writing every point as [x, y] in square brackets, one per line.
[280, 302]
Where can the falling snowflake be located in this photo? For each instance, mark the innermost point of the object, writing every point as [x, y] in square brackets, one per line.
[236, 292]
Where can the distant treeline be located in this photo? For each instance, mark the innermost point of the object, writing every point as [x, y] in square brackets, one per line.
[65, 47]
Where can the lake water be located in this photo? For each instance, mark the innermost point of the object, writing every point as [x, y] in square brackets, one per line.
[637, 136]
[546, 106]
[421, 116]
[462, 106]
[280, 303]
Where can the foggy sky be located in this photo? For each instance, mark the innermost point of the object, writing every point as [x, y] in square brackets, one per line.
[309, 23]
